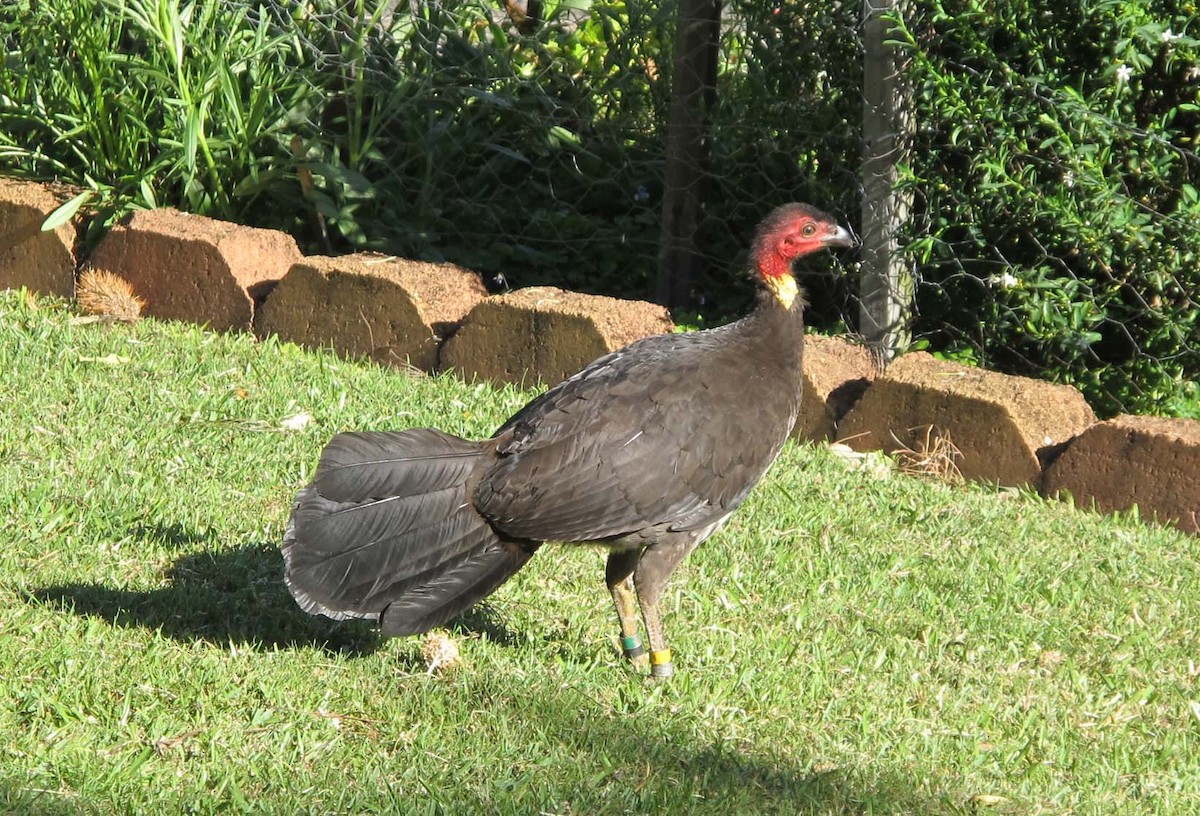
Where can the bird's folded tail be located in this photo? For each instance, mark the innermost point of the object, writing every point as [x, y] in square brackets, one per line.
[386, 530]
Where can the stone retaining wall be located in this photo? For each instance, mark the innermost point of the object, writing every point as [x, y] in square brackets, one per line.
[1008, 430]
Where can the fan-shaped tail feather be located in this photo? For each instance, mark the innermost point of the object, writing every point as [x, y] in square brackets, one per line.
[387, 531]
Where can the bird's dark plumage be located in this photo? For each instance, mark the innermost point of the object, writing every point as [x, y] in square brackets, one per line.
[358, 542]
[647, 450]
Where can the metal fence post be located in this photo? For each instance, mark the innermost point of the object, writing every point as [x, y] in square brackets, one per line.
[886, 283]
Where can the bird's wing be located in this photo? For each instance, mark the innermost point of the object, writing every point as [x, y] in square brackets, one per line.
[668, 432]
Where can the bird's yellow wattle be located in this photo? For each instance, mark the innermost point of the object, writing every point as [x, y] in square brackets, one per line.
[784, 288]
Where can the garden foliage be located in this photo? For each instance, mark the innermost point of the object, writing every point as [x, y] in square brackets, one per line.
[1055, 172]
[1053, 161]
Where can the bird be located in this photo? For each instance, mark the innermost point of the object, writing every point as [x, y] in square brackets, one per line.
[647, 451]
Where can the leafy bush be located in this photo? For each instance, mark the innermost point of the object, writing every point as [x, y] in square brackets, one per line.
[444, 134]
[529, 156]
[1056, 178]
[1053, 165]
[147, 102]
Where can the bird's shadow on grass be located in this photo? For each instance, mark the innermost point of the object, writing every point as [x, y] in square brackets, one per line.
[235, 596]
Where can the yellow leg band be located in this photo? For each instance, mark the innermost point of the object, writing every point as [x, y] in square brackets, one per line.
[660, 658]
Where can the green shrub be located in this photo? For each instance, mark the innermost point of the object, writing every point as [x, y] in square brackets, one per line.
[1053, 165]
[787, 127]
[528, 156]
[448, 135]
[1056, 179]
[147, 102]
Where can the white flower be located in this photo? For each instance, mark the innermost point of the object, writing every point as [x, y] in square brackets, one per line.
[1170, 36]
[1006, 281]
[1124, 72]
[1069, 179]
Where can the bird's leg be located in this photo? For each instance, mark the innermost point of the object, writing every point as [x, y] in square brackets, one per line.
[619, 575]
[653, 569]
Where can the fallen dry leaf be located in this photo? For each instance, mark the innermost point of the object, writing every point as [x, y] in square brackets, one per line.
[988, 799]
[297, 422]
[108, 359]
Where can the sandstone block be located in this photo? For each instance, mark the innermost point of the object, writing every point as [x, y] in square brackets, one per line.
[388, 309]
[836, 374]
[1005, 427]
[543, 334]
[187, 267]
[41, 261]
[1153, 462]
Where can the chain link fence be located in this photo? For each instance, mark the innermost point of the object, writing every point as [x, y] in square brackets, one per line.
[1055, 229]
[535, 152]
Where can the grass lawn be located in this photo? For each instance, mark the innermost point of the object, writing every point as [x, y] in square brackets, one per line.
[849, 643]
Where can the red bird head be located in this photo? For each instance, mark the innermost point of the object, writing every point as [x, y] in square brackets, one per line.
[790, 232]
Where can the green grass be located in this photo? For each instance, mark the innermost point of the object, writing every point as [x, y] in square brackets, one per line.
[848, 644]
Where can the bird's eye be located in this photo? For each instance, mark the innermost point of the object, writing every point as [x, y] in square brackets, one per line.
[809, 230]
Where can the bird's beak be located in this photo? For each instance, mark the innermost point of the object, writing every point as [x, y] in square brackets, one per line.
[841, 237]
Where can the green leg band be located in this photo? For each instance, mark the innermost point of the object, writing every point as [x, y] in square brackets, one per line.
[633, 646]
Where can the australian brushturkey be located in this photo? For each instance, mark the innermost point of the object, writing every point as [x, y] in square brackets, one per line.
[648, 451]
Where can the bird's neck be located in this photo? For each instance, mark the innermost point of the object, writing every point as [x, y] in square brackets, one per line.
[779, 328]
[780, 299]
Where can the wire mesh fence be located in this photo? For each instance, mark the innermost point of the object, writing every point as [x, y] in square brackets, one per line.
[536, 153]
[1048, 153]
[1056, 227]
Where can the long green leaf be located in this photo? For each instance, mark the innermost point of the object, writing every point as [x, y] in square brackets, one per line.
[66, 211]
